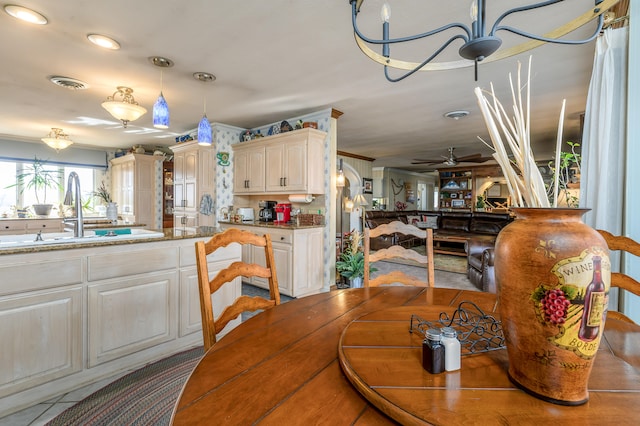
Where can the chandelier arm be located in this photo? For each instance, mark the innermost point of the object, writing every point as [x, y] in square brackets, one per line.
[520, 9]
[423, 63]
[500, 54]
[407, 38]
[553, 40]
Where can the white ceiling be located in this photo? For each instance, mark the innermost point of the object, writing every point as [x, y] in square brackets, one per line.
[274, 60]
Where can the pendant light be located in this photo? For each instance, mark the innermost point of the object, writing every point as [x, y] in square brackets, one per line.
[125, 110]
[204, 127]
[160, 108]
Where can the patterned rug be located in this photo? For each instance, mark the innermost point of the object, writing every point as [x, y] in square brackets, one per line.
[143, 397]
[442, 262]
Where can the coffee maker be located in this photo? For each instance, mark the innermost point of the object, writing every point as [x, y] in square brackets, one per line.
[267, 211]
[283, 213]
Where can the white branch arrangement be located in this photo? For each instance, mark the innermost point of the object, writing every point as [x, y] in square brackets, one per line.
[510, 137]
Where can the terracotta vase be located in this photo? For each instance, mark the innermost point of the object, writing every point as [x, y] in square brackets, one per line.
[553, 276]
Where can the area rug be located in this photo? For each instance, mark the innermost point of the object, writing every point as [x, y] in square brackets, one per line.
[144, 397]
[442, 262]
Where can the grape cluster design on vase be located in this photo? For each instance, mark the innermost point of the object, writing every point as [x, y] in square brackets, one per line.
[558, 306]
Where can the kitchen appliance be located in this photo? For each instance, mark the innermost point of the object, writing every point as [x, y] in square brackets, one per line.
[283, 212]
[267, 211]
[246, 213]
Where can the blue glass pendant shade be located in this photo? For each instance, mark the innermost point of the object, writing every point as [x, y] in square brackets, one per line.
[161, 113]
[204, 131]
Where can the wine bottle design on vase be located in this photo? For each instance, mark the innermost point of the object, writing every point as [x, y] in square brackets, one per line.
[594, 302]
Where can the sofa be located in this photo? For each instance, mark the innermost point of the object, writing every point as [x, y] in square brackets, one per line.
[479, 229]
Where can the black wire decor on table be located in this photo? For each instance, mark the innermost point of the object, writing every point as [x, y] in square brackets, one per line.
[477, 331]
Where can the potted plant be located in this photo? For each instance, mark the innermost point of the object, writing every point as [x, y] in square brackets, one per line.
[480, 203]
[351, 263]
[37, 177]
[103, 194]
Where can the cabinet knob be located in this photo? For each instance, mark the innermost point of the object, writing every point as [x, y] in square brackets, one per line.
[281, 238]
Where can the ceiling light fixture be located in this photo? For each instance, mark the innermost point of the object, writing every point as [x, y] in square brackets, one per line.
[57, 139]
[103, 41]
[160, 108]
[340, 179]
[125, 110]
[26, 15]
[476, 46]
[204, 127]
[456, 115]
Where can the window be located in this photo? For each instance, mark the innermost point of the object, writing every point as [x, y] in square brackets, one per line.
[12, 193]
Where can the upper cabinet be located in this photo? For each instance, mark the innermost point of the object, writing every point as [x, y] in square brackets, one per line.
[133, 187]
[249, 169]
[287, 163]
[194, 181]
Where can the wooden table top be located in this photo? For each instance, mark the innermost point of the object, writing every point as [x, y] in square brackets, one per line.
[281, 366]
[384, 362]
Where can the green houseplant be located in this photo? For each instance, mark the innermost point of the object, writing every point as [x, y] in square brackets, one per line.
[351, 263]
[38, 178]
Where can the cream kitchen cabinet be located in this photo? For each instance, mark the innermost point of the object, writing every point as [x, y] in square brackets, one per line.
[133, 187]
[194, 177]
[249, 169]
[75, 316]
[30, 226]
[292, 163]
[298, 254]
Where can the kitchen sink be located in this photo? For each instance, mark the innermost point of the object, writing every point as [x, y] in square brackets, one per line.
[26, 240]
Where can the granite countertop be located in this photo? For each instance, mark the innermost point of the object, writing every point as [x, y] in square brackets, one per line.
[169, 234]
[259, 224]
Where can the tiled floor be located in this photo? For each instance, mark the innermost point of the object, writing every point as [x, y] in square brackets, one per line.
[42, 413]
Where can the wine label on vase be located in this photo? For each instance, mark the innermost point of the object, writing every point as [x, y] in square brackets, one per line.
[577, 305]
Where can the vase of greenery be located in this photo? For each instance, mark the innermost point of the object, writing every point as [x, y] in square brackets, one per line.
[351, 263]
[480, 203]
[37, 177]
[104, 195]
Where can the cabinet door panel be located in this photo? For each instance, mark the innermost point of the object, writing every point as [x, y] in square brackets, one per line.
[42, 335]
[274, 160]
[295, 166]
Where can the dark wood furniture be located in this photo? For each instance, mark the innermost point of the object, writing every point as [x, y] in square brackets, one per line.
[237, 270]
[383, 361]
[167, 194]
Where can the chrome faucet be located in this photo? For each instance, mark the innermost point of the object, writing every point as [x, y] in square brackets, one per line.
[78, 221]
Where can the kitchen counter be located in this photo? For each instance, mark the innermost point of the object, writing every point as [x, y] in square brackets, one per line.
[169, 234]
[288, 225]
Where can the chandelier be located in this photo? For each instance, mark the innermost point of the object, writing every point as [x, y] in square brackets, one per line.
[126, 109]
[57, 139]
[477, 45]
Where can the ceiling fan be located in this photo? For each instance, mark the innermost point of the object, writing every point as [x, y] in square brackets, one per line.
[452, 160]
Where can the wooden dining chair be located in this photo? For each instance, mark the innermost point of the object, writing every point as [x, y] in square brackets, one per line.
[618, 279]
[211, 326]
[399, 252]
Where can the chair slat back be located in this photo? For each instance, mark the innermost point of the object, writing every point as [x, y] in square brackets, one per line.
[211, 326]
[618, 279]
[399, 252]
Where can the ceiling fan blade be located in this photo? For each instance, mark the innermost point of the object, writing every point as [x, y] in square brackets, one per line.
[474, 158]
[419, 161]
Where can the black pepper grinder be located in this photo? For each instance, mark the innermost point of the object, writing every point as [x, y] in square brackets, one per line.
[433, 352]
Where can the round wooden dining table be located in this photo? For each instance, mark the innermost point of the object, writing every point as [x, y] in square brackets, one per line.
[282, 367]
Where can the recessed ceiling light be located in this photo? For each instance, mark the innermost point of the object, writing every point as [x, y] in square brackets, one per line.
[204, 76]
[25, 14]
[103, 41]
[456, 115]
